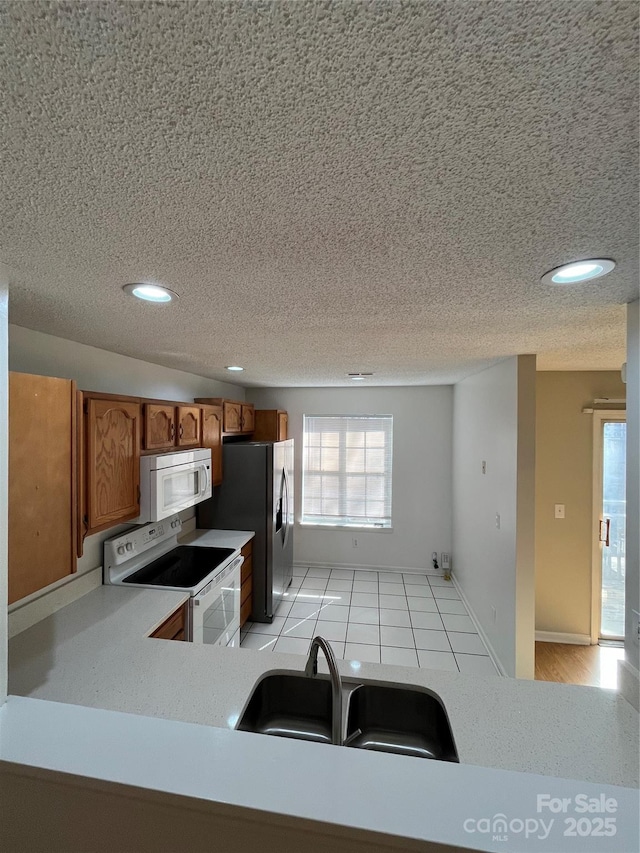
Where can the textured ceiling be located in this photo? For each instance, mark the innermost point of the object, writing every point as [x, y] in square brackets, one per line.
[330, 187]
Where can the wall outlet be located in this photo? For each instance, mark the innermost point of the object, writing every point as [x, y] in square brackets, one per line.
[354, 542]
[484, 467]
[559, 510]
[444, 561]
[498, 520]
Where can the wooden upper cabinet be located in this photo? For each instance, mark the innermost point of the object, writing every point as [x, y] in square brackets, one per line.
[168, 425]
[271, 425]
[248, 417]
[159, 426]
[237, 417]
[112, 462]
[212, 438]
[232, 416]
[42, 482]
[188, 426]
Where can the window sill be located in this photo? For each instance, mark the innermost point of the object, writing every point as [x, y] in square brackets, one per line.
[344, 527]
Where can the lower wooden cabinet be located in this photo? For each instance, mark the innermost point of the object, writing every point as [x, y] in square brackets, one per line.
[246, 598]
[271, 425]
[173, 628]
[42, 482]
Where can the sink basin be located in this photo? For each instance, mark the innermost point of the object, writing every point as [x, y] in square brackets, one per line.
[292, 706]
[401, 720]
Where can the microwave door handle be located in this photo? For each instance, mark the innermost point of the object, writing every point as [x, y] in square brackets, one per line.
[205, 486]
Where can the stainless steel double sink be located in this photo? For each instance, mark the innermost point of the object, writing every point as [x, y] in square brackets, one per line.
[405, 720]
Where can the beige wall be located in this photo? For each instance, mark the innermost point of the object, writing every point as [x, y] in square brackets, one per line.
[564, 475]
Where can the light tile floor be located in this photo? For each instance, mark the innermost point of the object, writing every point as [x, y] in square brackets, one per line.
[382, 617]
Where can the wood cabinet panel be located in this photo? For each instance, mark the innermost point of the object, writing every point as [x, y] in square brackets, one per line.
[271, 425]
[248, 418]
[42, 489]
[237, 417]
[246, 587]
[174, 627]
[188, 426]
[232, 416]
[283, 426]
[112, 462]
[212, 438]
[159, 426]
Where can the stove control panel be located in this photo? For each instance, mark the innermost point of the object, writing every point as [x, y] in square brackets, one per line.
[134, 542]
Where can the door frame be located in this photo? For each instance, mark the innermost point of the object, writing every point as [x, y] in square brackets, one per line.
[599, 418]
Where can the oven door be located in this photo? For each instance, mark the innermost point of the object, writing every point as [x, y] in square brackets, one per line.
[215, 611]
[179, 487]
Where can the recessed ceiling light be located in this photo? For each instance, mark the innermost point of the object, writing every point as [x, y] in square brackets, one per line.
[579, 271]
[235, 368]
[150, 292]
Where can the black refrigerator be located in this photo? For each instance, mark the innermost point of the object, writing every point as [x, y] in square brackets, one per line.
[257, 494]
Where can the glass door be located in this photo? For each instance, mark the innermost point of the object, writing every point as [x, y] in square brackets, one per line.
[612, 529]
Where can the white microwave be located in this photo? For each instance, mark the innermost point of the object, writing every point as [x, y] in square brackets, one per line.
[171, 482]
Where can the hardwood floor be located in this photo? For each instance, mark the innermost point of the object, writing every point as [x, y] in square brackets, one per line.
[594, 666]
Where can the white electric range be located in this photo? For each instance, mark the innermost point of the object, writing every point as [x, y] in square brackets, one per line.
[150, 556]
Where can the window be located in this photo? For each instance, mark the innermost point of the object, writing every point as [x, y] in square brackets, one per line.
[346, 470]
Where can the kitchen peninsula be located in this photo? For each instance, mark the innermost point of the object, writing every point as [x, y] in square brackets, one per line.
[96, 655]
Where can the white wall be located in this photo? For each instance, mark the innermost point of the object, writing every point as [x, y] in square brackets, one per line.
[422, 421]
[95, 370]
[632, 582]
[494, 422]
[100, 370]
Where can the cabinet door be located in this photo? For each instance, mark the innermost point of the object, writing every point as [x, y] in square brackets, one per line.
[188, 426]
[283, 426]
[212, 438]
[159, 426]
[42, 516]
[248, 419]
[112, 462]
[232, 416]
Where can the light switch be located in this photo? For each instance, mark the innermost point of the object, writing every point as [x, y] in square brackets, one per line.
[559, 511]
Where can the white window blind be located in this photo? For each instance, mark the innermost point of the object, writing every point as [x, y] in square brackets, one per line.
[346, 470]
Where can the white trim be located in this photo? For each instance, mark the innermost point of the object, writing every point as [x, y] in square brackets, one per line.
[599, 418]
[483, 636]
[410, 570]
[363, 528]
[558, 637]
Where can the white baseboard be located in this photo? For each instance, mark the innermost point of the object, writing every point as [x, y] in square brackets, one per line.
[557, 637]
[492, 652]
[408, 570]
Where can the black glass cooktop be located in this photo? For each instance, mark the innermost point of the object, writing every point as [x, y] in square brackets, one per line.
[183, 567]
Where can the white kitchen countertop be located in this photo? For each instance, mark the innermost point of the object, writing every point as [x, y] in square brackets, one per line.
[217, 538]
[95, 653]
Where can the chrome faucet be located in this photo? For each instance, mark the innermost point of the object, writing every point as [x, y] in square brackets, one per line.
[311, 669]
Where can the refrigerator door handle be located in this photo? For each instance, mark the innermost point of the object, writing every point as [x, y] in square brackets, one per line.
[286, 509]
